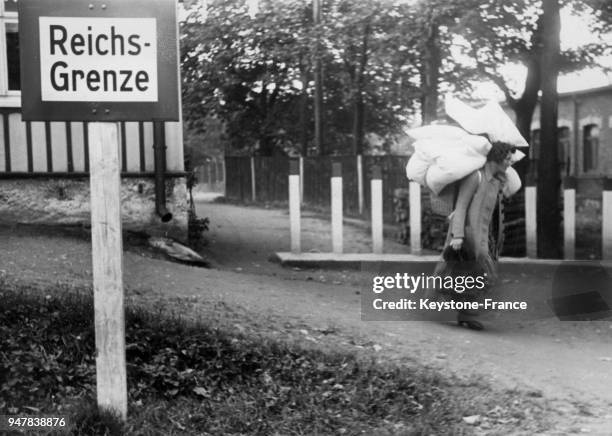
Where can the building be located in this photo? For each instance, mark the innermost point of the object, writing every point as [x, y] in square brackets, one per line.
[584, 138]
[44, 165]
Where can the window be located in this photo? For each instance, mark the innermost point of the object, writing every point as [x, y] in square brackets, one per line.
[10, 83]
[12, 57]
[590, 153]
[10, 5]
[563, 147]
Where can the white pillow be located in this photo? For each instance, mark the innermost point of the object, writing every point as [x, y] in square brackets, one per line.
[437, 131]
[432, 148]
[417, 167]
[489, 119]
[438, 162]
[452, 167]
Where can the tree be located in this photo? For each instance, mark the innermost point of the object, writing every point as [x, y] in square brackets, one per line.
[369, 65]
[255, 73]
[548, 216]
[430, 27]
[499, 33]
[242, 69]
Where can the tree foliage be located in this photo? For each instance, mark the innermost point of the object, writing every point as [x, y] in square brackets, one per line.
[383, 61]
[253, 72]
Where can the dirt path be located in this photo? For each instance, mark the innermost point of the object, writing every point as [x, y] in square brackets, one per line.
[568, 362]
[565, 360]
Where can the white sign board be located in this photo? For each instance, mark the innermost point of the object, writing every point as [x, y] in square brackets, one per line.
[98, 59]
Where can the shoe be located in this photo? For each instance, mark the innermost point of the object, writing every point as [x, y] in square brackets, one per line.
[469, 322]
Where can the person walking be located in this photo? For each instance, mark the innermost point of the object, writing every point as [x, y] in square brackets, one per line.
[468, 249]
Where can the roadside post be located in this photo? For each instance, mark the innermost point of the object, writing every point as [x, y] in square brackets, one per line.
[415, 217]
[606, 219]
[376, 191]
[336, 207]
[569, 217]
[531, 230]
[294, 204]
[101, 62]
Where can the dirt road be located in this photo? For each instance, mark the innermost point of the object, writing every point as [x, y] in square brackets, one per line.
[562, 359]
[568, 362]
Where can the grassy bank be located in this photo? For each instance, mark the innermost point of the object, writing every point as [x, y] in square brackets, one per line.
[194, 378]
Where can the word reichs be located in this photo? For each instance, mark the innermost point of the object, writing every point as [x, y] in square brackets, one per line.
[101, 44]
[98, 59]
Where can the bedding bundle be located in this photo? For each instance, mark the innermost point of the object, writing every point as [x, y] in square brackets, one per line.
[444, 154]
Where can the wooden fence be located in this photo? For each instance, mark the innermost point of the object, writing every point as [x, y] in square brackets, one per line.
[33, 148]
[210, 176]
[271, 181]
[265, 179]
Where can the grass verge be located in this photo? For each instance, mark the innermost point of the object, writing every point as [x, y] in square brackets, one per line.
[194, 378]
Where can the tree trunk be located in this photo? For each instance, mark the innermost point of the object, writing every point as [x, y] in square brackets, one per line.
[524, 110]
[359, 109]
[549, 217]
[430, 76]
[318, 79]
[524, 107]
[304, 118]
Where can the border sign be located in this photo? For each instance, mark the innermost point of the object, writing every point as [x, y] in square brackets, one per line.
[101, 61]
[111, 60]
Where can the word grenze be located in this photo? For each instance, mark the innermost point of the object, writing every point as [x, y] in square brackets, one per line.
[113, 44]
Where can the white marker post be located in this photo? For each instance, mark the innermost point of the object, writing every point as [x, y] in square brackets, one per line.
[294, 205]
[415, 217]
[606, 216]
[336, 207]
[569, 218]
[377, 210]
[531, 235]
[107, 260]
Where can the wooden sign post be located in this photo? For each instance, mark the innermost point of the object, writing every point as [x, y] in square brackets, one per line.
[107, 260]
[102, 61]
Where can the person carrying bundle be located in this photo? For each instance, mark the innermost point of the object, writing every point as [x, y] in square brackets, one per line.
[469, 168]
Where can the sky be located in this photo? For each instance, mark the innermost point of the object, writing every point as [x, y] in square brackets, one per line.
[574, 32]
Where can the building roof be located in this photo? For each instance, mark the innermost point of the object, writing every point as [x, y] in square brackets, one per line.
[597, 90]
